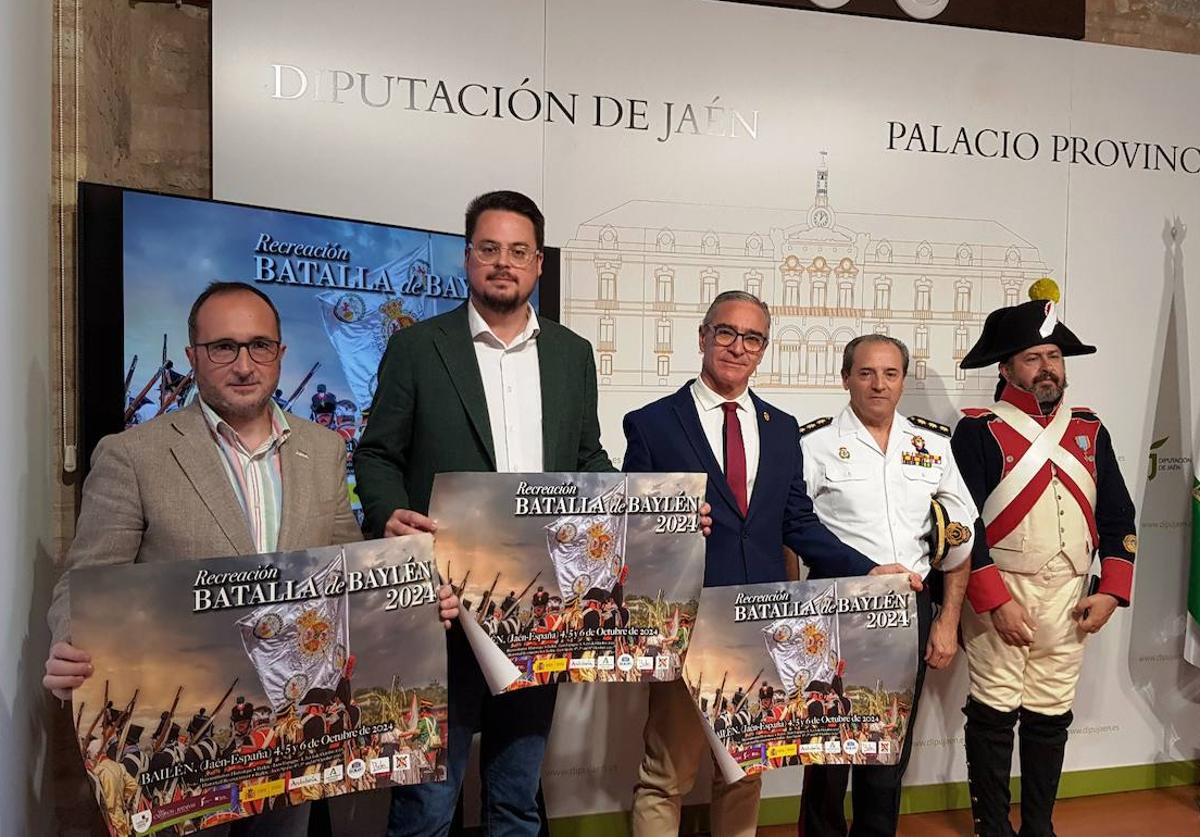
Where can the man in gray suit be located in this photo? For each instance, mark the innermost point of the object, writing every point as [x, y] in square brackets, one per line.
[229, 474]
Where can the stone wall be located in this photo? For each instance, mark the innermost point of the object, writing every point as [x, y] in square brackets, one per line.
[135, 104]
[1152, 24]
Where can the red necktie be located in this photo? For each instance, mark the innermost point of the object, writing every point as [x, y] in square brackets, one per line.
[735, 456]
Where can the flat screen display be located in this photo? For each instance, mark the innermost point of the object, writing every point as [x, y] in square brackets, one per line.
[342, 288]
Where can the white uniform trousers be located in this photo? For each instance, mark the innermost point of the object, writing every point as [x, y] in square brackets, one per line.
[1042, 676]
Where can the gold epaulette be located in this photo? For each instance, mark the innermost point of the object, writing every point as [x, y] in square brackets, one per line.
[940, 429]
[816, 424]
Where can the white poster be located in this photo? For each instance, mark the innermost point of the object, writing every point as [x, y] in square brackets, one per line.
[859, 175]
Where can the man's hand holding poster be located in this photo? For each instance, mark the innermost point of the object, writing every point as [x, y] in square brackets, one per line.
[226, 687]
[573, 577]
[807, 672]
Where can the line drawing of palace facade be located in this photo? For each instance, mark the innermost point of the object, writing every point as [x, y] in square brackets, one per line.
[637, 280]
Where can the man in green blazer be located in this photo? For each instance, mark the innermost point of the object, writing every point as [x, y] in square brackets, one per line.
[485, 387]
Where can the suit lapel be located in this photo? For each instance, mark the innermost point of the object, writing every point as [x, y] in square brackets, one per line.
[200, 461]
[296, 472]
[555, 386]
[768, 443]
[685, 410]
[454, 347]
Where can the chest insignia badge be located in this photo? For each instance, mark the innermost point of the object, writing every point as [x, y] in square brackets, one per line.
[921, 456]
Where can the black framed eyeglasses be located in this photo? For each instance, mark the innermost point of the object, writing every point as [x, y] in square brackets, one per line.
[225, 352]
[725, 336]
[488, 252]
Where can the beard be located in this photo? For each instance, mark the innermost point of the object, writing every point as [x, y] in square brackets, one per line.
[498, 298]
[1048, 389]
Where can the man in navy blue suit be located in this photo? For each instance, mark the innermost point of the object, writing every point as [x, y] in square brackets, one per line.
[751, 453]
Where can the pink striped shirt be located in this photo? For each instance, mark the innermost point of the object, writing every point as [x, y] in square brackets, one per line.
[255, 475]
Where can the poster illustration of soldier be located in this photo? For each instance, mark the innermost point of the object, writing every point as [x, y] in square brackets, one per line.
[805, 672]
[573, 577]
[232, 686]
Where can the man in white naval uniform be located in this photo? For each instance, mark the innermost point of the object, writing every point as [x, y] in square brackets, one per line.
[876, 479]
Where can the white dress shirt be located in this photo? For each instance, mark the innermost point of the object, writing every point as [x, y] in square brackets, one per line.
[512, 386]
[878, 502]
[712, 419]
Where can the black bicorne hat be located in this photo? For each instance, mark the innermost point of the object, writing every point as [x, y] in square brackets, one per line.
[317, 695]
[1018, 327]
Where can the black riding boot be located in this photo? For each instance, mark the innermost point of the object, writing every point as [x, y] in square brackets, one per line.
[1043, 742]
[989, 757]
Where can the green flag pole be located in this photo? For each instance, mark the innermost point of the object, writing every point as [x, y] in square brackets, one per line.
[1191, 650]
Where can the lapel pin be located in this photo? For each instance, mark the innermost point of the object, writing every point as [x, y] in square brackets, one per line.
[766, 416]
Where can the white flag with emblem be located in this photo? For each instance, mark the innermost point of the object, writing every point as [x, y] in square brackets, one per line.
[301, 645]
[359, 323]
[588, 550]
[805, 648]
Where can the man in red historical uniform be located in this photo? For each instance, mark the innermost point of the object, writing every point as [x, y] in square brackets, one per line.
[771, 712]
[1046, 478]
[541, 621]
[248, 739]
